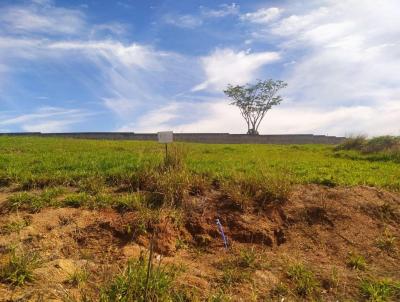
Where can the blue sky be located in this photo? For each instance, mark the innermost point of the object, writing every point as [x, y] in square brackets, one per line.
[147, 66]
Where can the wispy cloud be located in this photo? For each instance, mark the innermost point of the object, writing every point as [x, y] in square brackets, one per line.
[129, 55]
[348, 59]
[160, 118]
[191, 21]
[225, 66]
[340, 58]
[263, 15]
[121, 106]
[131, 75]
[47, 119]
[41, 17]
[184, 21]
[218, 116]
[222, 11]
[108, 29]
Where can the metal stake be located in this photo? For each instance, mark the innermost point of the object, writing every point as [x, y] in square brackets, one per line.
[149, 267]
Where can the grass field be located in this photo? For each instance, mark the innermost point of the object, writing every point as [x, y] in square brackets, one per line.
[56, 161]
[79, 218]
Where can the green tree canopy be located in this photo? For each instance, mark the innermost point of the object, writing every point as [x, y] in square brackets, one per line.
[254, 100]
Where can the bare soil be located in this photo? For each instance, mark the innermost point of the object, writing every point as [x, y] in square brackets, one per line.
[318, 226]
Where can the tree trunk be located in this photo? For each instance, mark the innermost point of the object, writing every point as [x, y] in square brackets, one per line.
[252, 131]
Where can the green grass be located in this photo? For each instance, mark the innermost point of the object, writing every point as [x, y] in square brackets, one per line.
[381, 148]
[248, 258]
[356, 261]
[304, 281]
[380, 290]
[14, 226]
[18, 268]
[78, 278]
[35, 202]
[133, 285]
[387, 242]
[233, 276]
[238, 268]
[91, 164]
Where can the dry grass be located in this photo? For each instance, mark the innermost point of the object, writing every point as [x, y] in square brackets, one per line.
[258, 190]
[17, 268]
[390, 144]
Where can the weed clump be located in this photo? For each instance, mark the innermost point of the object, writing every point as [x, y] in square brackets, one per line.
[171, 188]
[166, 184]
[78, 277]
[387, 242]
[34, 202]
[130, 202]
[250, 259]
[386, 211]
[386, 144]
[356, 261]
[77, 200]
[303, 279]
[262, 189]
[280, 291]
[238, 268]
[175, 158]
[5, 180]
[26, 201]
[83, 199]
[353, 143]
[18, 268]
[91, 185]
[133, 285]
[380, 290]
[14, 226]
[382, 143]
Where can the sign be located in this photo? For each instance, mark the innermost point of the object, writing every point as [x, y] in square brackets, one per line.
[165, 137]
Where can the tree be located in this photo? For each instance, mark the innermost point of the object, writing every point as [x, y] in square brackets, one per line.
[254, 100]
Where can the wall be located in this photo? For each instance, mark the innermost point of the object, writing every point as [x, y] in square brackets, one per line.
[212, 138]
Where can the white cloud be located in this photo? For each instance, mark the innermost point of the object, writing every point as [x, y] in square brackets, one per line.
[47, 119]
[294, 24]
[110, 29]
[129, 78]
[130, 74]
[183, 21]
[223, 11]
[3, 72]
[49, 126]
[225, 66]
[342, 65]
[193, 21]
[218, 116]
[155, 120]
[42, 2]
[43, 19]
[340, 58]
[121, 106]
[129, 55]
[351, 53]
[263, 15]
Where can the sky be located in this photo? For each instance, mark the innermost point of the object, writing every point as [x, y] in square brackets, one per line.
[147, 66]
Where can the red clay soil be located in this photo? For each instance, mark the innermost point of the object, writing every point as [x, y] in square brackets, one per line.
[318, 226]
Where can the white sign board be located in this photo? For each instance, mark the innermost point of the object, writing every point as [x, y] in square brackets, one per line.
[165, 137]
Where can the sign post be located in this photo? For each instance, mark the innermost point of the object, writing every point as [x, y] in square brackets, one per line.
[165, 137]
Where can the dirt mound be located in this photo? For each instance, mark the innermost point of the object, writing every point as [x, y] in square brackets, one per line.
[318, 226]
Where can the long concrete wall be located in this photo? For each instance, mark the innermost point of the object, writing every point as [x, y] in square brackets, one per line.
[212, 138]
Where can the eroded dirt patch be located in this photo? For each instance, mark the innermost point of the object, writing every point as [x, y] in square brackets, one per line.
[318, 226]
